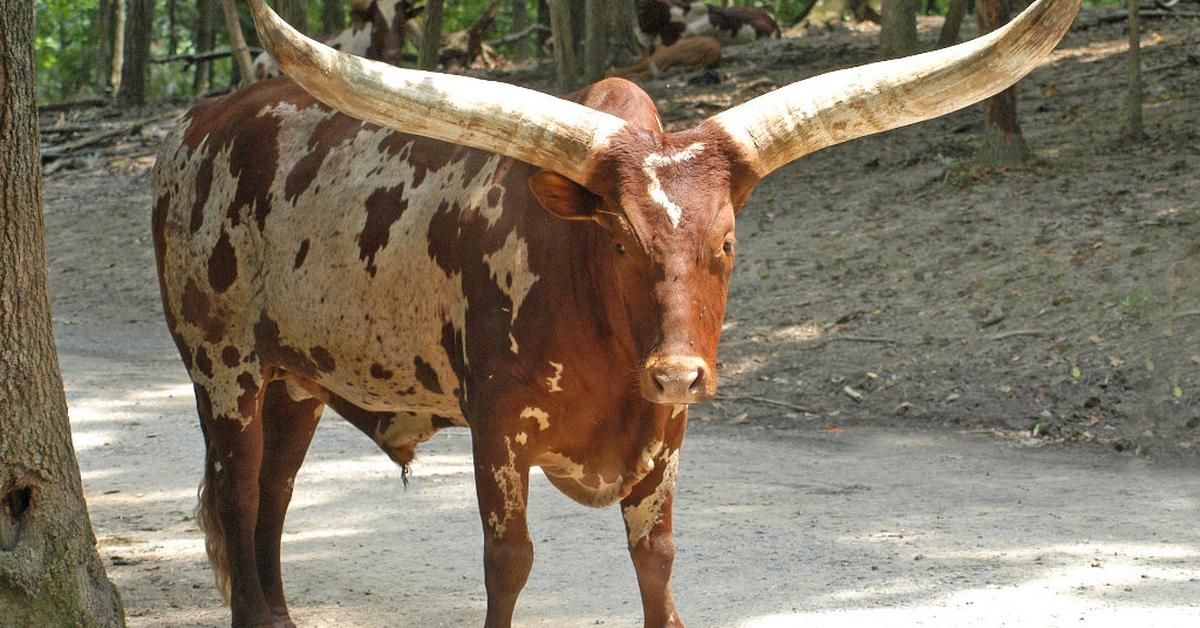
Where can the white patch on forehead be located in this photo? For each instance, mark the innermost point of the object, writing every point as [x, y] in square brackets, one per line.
[651, 166]
[552, 382]
[522, 438]
[642, 517]
[542, 417]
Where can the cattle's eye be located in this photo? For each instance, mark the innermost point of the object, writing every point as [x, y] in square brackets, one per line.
[727, 247]
[620, 249]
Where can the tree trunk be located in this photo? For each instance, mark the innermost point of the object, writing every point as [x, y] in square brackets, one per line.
[138, 26]
[294, 12]
[431, 35]
[118, 46]
[104, 41]
[50, 574]
[1003, 146]
[567, 66]
[1134, 130]
[609, 38]
[333, 16]
[237, 41]
[172, 28]
[520, 21]
[543, 18]
[898, 31]
[205, 40]
[953, 24]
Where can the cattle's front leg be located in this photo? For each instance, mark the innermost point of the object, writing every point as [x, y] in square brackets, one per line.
[502, 484]
[647, 512]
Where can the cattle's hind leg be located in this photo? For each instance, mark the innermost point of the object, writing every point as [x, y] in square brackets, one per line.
[289, 418]
[231, 417]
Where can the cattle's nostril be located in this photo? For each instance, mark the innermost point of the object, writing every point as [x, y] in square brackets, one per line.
[658, 382]
[697, 386]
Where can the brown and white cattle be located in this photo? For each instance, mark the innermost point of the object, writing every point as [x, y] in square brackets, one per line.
[696, 53]
[378, 30]
[419, 251]
[664, 22]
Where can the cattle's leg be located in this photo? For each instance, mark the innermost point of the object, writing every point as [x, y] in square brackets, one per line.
[288, 427]
[232, 422]
[502, 484]
[647, 513]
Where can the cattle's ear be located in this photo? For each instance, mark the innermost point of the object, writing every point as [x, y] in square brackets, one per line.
[563, 197]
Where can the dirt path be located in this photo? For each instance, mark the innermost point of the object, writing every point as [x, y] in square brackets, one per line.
[856, 527]
[947, 300]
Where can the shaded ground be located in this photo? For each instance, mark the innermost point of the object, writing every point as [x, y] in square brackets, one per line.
[884, 290]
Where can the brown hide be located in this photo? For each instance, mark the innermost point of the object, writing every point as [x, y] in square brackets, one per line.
[414, 285]
[693, 53]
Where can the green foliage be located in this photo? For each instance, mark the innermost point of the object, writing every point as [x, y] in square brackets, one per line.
[66, 48]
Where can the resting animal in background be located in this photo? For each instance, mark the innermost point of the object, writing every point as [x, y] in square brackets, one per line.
[695, 53]
[664, 22]
[420, 250]
[378, 31]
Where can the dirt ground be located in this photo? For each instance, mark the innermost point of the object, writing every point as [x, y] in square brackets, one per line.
[948, 395]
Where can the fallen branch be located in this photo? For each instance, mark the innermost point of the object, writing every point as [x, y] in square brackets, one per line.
[1121, 16]
[191, 59]
[73, 104]
[770, 402]
[867, 339]
[58, 151]
[519, 35]
[1020, 332]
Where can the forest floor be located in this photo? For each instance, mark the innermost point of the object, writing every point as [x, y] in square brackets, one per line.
[943, 388]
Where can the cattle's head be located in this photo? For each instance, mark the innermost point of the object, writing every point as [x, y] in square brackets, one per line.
[666, 201]
[387, 20]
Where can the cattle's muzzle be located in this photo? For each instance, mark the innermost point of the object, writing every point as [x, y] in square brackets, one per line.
[678, 379]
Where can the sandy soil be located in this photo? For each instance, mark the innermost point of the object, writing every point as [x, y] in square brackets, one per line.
[936, 335]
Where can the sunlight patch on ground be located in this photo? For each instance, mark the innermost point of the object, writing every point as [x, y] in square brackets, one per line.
[106, 500]
[85, 440]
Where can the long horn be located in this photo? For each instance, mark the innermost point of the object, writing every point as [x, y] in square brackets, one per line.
[552, 133]
[790, 122]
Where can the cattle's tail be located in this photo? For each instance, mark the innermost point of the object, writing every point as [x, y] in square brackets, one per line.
[214, 534]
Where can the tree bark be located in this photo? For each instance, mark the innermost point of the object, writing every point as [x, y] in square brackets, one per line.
[50, 573]
[172, 28]
[431, 35]
[294, 12]
[543, 18]
[609, 37]
[118, 47]
[898, 31]
[333, 16]
[138, 26]
[567, 66]
[104, 40]
[205, 40]
[237, 41]
[520, 20]
[1003, 146]
[953, 24]
[1134, 131]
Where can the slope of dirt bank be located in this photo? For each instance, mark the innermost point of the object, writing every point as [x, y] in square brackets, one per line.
[885, 281]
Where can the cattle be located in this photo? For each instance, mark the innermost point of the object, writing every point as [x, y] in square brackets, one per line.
[664, 22]
[693, 53]
[378, 30]
[421, 251]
